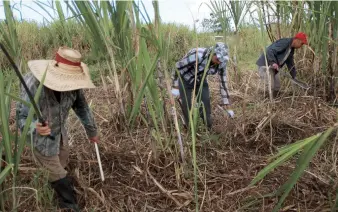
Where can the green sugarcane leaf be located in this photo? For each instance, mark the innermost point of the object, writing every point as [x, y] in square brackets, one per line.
[13, 36]
[305, 159]
[193, 122]
[269, 168]
[27, 127]
[300, 161]
[298, 145]
[4, 126]
[60, 11]
[44, 7]
[8, 87]
[5, 172]
[18, 99]
[140, 95]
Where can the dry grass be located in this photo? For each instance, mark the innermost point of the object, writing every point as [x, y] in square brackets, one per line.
[134, 182]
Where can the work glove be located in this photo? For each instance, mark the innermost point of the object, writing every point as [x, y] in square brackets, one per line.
[175, 92]
[275, 66]
[231, 113]
[94, 139]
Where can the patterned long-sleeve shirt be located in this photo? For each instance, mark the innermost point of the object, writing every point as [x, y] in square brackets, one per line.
[186, 67]
[56, 113]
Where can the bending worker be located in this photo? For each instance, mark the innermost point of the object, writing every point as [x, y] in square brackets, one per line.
[62, 91]
[277, 54]
[186, 68]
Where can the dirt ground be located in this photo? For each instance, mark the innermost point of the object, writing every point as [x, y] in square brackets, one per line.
[226, 163]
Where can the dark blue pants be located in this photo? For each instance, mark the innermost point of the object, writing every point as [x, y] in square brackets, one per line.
[186, 98]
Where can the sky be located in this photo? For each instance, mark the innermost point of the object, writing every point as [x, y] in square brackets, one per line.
[177, 11]
[182, 11]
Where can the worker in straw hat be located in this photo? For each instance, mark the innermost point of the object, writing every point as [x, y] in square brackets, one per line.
[278, 54]
[66, 77]
[186, 69]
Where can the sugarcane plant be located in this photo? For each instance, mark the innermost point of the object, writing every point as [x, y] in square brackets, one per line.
[307, 148]
[8, 33]
[12, 139]
[13, 142]
[123, 31]
[319, 20]
[321, 14]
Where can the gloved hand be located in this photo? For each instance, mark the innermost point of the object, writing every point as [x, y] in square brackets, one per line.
[275, 66]
[231, 113]
[175, 92]
[94, 139]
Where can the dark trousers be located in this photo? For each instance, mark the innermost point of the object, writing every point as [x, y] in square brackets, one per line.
[186, 98]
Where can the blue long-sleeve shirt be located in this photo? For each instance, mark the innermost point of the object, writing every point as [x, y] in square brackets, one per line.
[281, 53]
[56, 111]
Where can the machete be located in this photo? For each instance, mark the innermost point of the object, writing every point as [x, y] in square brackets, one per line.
[30, 96]
[37, 111]
[293, 80]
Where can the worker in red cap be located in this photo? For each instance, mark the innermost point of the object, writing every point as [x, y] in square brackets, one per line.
[277, 54]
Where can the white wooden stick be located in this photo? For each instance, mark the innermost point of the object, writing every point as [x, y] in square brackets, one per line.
[99, 161]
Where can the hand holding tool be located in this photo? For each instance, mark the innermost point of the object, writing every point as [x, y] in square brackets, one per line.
[30, 96]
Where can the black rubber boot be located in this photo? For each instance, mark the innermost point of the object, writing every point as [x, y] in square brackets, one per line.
[66, 195]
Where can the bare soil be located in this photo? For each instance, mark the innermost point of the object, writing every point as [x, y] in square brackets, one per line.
[227, 162]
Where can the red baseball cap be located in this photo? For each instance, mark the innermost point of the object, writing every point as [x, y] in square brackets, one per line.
[302, 36]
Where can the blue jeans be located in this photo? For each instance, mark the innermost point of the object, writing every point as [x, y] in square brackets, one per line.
[186, 98]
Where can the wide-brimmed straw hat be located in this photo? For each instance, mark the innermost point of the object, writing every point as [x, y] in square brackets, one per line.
[65, 73]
